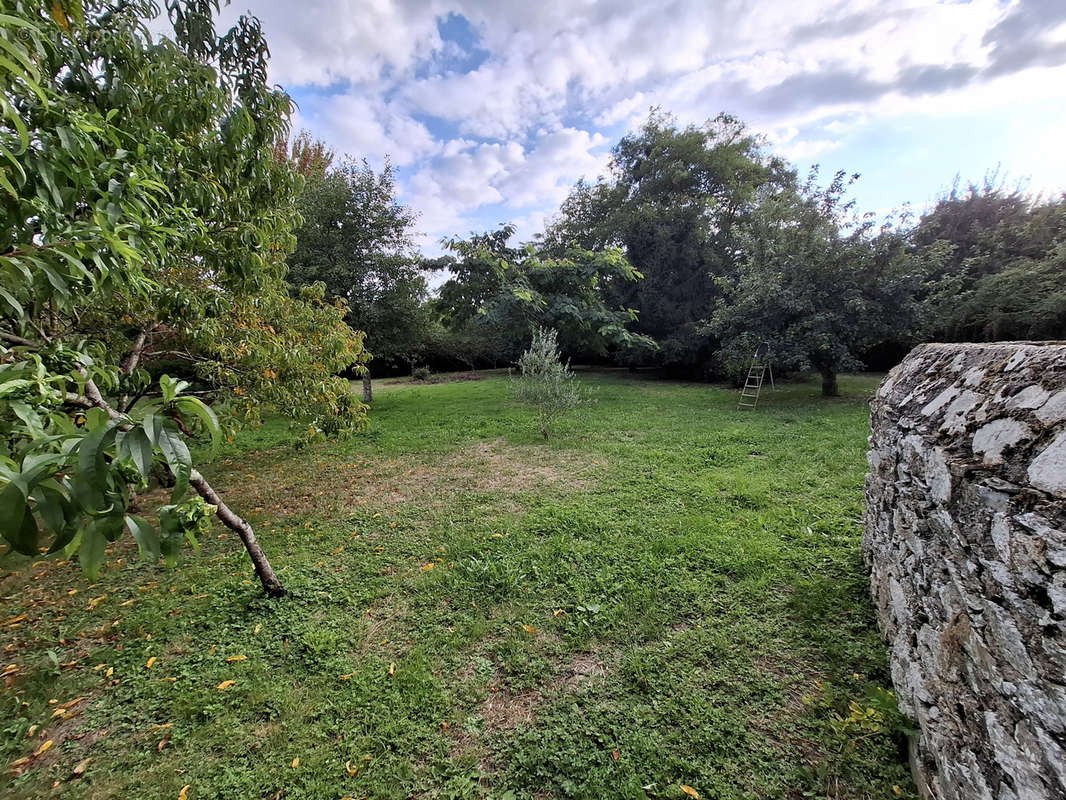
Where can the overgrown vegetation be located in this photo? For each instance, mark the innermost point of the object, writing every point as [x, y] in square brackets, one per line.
[670, 592]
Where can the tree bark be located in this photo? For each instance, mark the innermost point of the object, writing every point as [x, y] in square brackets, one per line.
[271, 585]
[829, 383]
[368, 389]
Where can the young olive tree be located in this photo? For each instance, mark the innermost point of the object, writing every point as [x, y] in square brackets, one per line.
[545, 382]
[144, 219]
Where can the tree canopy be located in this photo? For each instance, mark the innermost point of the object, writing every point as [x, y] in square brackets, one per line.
[997, 264]
[146, 221]
[504, 292]
[356, 238]
[674, 200]
[815, 285]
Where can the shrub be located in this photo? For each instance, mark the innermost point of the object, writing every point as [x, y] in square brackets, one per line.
[545, 382]
[421, 374]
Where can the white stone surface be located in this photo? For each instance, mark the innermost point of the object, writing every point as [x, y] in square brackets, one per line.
[991, 439]
[1048, 470]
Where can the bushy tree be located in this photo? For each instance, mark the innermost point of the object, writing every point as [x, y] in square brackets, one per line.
[145, 217]
[356, 238]
[996, 264]
[818, 286]
[674, 201]
[502, 293]
[546, 382]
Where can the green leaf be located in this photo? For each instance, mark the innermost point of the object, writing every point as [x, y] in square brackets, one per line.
[91, 552]
[146, 537]
[12, 513]
[135, 446]
[93, 469]
[176, 452]
[28, 536]
[51, 507]
[171, 388]
[203, 412]
[172, 535]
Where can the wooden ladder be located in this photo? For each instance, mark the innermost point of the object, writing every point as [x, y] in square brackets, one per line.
[749, 395]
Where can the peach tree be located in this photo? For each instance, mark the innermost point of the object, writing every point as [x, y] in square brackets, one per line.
[145, 224]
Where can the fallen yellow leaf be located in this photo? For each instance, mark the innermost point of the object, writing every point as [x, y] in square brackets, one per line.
[529, 629]
[151, 662]
[353, 771]
[427, 567]
[225, 684]
[184, 793]
[689, 791]
[44, 748]
[256, 629]
[557, 612]
[80, 768]
[295, 763]
[392, 668]
[241, 657]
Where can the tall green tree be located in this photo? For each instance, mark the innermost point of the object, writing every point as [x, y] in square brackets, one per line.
[816, 285]
[356, 238]
[144, 217]
[673, 200]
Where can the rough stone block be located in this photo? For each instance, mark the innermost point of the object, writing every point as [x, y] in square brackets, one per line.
[965, 539]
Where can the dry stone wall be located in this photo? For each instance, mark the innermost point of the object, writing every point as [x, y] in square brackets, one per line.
[965, 539]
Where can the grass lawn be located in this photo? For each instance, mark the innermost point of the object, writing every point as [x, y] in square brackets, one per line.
[667, 598]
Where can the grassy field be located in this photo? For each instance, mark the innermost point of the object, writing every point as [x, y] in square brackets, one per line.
[666, 600]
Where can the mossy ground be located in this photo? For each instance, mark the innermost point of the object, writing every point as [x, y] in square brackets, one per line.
[669, 593]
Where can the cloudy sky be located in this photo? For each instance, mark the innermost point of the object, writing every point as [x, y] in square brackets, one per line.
[491, 109]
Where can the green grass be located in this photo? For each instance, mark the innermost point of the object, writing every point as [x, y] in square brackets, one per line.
[668, 593]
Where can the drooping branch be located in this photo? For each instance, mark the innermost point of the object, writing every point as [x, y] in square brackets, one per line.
[269, 579]
[271, 585]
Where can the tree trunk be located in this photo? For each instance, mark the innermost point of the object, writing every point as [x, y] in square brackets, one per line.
[829, 382]
[271, 585]
[368, 389]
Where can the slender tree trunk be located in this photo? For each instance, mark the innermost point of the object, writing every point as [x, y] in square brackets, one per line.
[271, 585]
[829, 382]
[368, 389]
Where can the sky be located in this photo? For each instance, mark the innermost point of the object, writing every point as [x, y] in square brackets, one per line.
[490, 110]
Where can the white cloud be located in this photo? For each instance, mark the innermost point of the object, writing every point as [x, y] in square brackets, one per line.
[510, 135]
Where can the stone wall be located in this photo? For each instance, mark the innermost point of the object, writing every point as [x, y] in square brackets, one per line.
[966, 544]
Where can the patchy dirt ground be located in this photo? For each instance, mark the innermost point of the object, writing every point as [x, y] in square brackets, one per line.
[309, 484]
